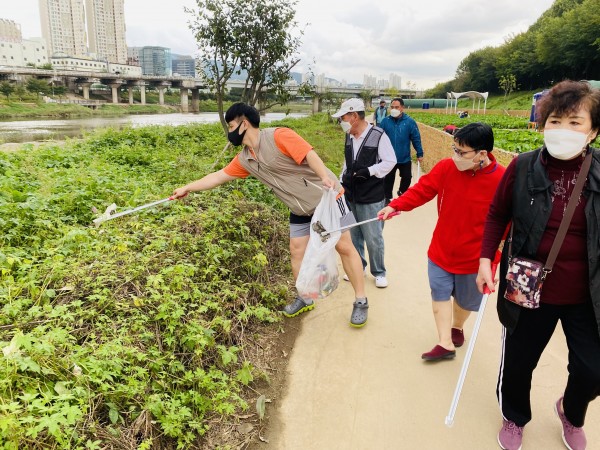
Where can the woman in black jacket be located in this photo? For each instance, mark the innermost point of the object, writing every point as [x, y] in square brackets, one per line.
[533, 196]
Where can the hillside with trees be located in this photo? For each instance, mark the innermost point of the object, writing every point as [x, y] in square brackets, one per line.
[563, 43]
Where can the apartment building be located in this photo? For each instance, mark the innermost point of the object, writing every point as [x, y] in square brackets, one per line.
[63, 26]
[106, 29]
[85, 28]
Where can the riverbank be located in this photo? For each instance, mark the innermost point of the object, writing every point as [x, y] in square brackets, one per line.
[25, 110]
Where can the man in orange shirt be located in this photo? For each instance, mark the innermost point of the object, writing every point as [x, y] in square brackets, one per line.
[282, 160]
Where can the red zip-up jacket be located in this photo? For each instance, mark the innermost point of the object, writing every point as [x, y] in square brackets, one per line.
[463, 199]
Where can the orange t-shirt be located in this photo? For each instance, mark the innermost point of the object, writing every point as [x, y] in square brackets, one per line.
[287, 141]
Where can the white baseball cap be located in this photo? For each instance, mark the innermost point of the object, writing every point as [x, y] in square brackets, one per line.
[352, 105]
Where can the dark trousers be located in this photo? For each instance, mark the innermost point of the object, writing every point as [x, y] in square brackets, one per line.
[405, 179]
[523, 348]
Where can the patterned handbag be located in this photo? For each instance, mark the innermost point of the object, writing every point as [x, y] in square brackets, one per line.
[525, 277]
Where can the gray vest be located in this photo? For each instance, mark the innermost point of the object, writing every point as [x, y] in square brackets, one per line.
[283, 175]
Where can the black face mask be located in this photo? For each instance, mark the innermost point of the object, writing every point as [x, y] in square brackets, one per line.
[234, 137]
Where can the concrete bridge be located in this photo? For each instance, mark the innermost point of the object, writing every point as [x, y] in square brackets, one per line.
[83, 80]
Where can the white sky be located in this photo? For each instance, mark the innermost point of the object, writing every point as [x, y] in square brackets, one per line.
[421, 40]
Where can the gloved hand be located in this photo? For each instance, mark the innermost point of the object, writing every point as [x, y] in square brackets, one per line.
[362, 175]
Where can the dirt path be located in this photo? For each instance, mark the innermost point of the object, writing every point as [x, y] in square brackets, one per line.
[369, 389]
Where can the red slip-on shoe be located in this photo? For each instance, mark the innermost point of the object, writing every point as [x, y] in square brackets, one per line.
[458, 337]
[438, 353]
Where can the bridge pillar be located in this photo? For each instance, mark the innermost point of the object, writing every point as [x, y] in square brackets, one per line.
[161, 94]
[195, 100]
[184, 99]
[86, 90]
[143, 94]
[317, 106]
[130, 91]
[114, 87]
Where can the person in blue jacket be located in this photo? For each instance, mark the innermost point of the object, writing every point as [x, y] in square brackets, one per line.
[380, 113]
[402, 130]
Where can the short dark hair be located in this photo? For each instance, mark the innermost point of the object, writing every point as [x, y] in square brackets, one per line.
[567, 97]
[477, 135]
[241, 109]
[399, 99]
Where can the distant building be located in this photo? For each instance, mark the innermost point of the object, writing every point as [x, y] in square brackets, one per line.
[183, 65]
[18, 52]
[106, 29]
[63, 27]
[65, 62]
[155, 61]
[369, 81]
[133, 56]
[395, 81]
[97, 29]
[10, 31]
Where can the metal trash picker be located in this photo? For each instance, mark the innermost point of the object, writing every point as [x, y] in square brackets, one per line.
[465, 367]
[319, 228]
[110, 214]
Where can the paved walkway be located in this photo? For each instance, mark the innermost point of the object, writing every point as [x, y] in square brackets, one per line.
[368, 388]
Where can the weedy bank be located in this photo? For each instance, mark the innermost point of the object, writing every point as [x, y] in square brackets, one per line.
[150, 331]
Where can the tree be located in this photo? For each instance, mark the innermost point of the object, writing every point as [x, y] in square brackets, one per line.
[253, 39]
[37, 87]
[60, 91]
[391, 92]
[507, 83]
[6, 89]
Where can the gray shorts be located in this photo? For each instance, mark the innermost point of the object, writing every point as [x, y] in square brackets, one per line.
[460, 286]
[303, 229]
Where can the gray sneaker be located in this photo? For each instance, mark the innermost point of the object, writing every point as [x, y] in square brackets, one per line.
[359, 313]
[298, 306]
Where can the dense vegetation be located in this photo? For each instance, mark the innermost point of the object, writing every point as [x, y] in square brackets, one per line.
[563, 43]
[138, 333]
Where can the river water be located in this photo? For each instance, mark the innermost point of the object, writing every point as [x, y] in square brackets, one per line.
[17, 131]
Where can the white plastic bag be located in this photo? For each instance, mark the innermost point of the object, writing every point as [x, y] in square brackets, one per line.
[319, 274]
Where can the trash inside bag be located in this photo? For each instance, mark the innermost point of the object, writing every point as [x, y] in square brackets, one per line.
[319, 275]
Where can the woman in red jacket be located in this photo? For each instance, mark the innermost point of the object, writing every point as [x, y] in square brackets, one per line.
[464, 186]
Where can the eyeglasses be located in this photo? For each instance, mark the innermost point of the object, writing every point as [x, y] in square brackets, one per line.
[461, 153]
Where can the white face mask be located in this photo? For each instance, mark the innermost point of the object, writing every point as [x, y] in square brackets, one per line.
[395, 113]
[565, 144]
[345, 126]
[461, 163]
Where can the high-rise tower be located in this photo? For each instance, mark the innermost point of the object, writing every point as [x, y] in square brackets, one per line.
[106, 29]
[63, 26]
[81, 28]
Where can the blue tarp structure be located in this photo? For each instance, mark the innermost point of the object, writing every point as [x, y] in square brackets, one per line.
[536, 97]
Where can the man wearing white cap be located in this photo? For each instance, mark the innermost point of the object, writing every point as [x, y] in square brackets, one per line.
[369, 156]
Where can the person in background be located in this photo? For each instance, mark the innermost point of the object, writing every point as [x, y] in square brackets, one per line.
[533, 196]
[402, 130]
[282, 160]
[464, 186]
[368, 157]
[380, 113]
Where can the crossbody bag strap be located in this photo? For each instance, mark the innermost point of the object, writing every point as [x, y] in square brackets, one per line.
[566, 220]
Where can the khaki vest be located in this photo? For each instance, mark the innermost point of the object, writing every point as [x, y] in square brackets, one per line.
[283, 175]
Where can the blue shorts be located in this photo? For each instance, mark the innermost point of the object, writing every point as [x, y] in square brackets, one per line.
[460, 286]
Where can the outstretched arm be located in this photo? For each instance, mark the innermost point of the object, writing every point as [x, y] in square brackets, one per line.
[210, 181]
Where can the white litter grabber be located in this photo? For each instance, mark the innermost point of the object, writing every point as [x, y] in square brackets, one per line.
[317, 227]
[465, 367]
[110, 214]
